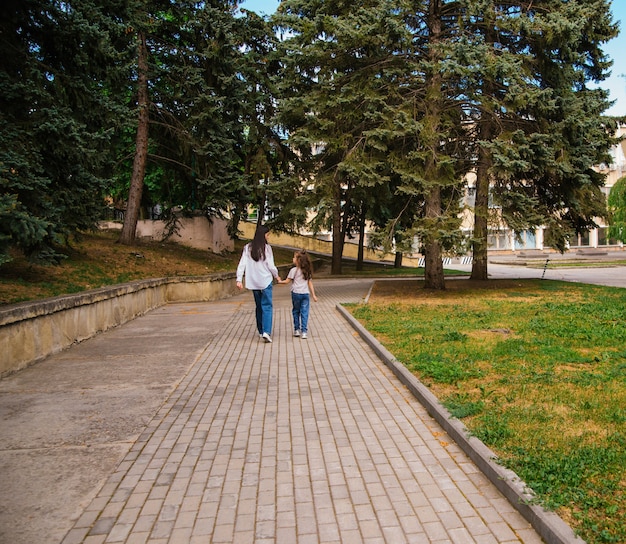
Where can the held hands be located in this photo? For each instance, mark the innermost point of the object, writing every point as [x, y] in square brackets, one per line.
[287, 280]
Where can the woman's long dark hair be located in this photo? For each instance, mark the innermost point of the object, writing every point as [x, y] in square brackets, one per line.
[257, 246]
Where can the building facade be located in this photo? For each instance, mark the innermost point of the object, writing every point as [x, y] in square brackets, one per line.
[504, 240]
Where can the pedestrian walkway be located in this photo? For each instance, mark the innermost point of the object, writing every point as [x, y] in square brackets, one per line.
[239, 441]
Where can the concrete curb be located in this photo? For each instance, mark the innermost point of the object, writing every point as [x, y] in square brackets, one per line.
[548, 524]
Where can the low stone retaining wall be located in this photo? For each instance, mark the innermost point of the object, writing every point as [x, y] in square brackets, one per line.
[30, 331]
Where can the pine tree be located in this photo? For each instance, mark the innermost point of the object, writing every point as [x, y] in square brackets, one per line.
[56, 120]
[434, 159]
[369, 90]
[208, 80]
[332, 63]
[539, 128]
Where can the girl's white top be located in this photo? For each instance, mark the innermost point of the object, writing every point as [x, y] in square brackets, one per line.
[299, 285]
[259, 274]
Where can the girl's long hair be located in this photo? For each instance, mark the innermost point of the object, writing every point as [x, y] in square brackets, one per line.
[257, 246]
[303, 262]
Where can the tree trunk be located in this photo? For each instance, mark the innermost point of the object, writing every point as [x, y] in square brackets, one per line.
[335, 266]
[359, 260]
[481, 208]
[127, 236]
[433, 265]
[397, 262]
[481, 205]
[481, 213]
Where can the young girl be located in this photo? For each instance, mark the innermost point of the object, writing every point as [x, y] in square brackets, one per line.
[302, 277]
[257, 263]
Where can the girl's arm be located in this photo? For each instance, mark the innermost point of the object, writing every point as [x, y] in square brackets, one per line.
[290, 275]
[312, 290]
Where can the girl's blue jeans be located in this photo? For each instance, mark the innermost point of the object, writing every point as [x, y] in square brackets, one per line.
[300, 310]
[264, 309]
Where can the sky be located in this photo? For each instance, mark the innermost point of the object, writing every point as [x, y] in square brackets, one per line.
[615, 49]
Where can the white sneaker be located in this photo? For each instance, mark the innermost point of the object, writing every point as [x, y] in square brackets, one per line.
[304, 336]
[296, 333]
[266, 338]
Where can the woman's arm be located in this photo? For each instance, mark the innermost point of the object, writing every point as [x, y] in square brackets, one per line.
[241, 268]
[269, 262]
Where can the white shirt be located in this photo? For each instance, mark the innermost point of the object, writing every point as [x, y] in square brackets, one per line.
[300, 286]
[259, 274]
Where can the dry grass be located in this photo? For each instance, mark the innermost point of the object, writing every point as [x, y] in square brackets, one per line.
[97, 260]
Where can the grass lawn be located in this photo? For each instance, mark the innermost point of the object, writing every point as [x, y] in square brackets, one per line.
[536, 370]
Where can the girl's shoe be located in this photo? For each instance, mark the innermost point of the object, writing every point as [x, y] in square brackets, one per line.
[266, 338]
[296, 332]
[304, 336]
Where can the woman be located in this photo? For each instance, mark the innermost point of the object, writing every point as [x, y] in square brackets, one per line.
[257, 263]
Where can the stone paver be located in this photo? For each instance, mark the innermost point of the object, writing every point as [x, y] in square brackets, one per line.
[294, 441]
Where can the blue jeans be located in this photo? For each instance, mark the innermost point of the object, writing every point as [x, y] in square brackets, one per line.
[300, 310]
[264, 309]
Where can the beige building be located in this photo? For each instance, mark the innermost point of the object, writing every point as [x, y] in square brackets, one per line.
[504, 240]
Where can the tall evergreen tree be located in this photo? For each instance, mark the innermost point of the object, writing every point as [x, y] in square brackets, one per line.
[333, 59]
[436, 155]
[372, 94]
[263, 152]
[568, 56]
[208, 78]
[539, 127]
[56, 119]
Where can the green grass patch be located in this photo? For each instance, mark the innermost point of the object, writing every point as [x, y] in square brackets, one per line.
[538, 372]
[384, 269]
[576, 264]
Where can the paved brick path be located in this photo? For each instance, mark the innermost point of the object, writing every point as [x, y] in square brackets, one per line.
[298, 441]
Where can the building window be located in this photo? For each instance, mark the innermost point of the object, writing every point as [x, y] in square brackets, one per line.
[603, 239]
[581, 240]
[470, 197]
[526, 240]
[498, 239]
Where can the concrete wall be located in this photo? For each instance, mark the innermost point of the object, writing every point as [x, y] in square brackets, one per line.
[30, 331]
[196, 232]
[325, 247]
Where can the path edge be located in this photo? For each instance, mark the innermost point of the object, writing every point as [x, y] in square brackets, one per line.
[548, 525]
